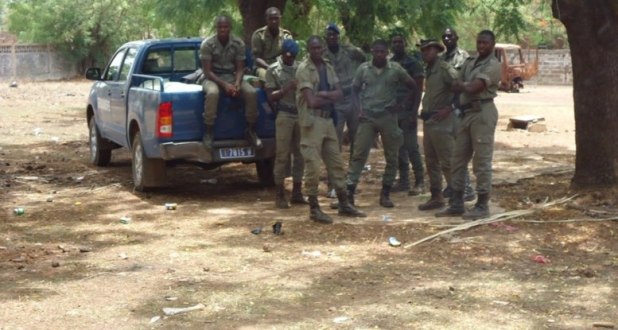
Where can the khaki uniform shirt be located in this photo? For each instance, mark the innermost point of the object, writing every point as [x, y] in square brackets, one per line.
[267, 47]
[456, 58]
[223, 58]
[345, 62]
[438, 80]
[308, 76]
[488, 70]
[279, 74]
[378, 87]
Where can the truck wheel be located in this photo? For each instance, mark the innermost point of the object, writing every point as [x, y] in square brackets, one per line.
[100, 155]
[265, 173]
[147, 172]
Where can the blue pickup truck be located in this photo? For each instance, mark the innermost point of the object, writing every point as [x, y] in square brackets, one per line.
[140, 102]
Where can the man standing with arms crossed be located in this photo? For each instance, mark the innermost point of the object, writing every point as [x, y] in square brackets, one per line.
[408, 121]
[374, 96]
[439, 121]
[281, 91]
[223, 61]
[345, 59]
[318, 90]
[266, 42]
[478, 84]
[456, 57]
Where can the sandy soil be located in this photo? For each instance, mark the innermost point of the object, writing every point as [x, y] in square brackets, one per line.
[70, 262]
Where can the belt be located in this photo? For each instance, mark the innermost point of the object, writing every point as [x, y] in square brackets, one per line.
[322, 113]
[221, 71]
[470, 105]
[378, 114]
[286, 108]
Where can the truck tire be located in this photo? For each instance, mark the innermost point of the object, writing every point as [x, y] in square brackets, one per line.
[264, 168]
[147, 172]
[100, 153]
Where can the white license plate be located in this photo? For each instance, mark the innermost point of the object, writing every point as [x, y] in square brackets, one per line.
[241, 152]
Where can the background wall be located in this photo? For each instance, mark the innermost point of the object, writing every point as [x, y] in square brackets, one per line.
[40, 62]
[34, 63]
[554, 67]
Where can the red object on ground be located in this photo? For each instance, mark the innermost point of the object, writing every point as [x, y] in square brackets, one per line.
[540, 259]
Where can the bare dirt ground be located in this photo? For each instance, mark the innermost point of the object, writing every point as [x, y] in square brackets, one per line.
[69, 262]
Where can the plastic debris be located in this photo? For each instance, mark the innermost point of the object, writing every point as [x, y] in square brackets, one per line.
[19, 211]
[277, 228]
[170, 206]
[387, 218]
[37, 131]
[314, 253]
[340, 319]
[209, 181]
[125, 220]
[155, 319]
[392, 241]
[256, 231]
[173, 311]
[539, 259]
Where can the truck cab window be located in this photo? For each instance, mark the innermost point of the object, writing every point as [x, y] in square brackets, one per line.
[185, 60]
[127, 64]
[113, 69]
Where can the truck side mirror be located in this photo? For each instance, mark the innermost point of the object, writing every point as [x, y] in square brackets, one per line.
[93, 74]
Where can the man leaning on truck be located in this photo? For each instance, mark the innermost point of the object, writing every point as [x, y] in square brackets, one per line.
[223, 57]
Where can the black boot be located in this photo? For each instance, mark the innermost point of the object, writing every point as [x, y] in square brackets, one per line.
[252, 136]
[207, 138]
[351, 190]
[469, 193]
[316, 214]
[280, 201]
[447, 192]
[418, 189]
[480, 210]
[346, 208]
[385, 197]
[436, 201]
[403, 184]
[297, 194]
[456, 206]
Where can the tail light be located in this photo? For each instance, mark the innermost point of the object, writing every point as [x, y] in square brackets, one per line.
[164, 120]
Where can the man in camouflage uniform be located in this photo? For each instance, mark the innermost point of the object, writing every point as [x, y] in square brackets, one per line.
[266, 42]
[374, 97]
[318, 90]
[281, 91]
[408, 121]
[345, 58]
[456, 57]
[439, 121]
[223, 56]
[478, 84]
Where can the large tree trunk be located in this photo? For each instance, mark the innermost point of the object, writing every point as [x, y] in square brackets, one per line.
[591, 28]
[253, 15]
